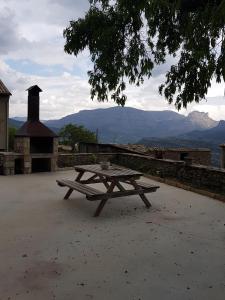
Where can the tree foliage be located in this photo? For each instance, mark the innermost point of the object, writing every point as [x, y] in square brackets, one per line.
[128, 38]
[72, 134]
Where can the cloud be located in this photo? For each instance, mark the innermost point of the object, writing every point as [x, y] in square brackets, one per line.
[31, 30]
[62, 95]
[9, 39]
[79, 6]
[32, 52]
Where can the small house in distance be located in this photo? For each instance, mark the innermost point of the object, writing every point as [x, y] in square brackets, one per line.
[199, 156]
[4, 112]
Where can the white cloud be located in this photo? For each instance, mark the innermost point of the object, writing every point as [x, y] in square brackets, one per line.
[62, 95]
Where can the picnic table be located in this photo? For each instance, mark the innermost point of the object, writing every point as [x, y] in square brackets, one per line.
[118, 182]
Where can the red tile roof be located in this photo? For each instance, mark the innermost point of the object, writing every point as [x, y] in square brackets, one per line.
[35, 129]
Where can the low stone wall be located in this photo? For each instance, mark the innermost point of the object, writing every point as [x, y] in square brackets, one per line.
[70, 160]
[197, 176]
[149, 165]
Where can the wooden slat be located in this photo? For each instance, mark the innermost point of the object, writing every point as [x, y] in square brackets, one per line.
[111, 172]
[87, 190]
[123, 193]
[146, 185]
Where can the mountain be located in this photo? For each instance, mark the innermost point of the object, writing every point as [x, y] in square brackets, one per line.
[201, 119]
[194, 121]
[15, 123]
[128, 125]
[22, 119]
[214, 135]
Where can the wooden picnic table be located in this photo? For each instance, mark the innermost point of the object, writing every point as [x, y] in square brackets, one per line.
[124, 180]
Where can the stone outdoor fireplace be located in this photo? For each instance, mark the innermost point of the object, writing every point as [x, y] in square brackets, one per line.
[37, 144]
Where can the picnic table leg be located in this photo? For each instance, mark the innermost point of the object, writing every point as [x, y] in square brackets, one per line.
[80, 174]
[68, 194]
[100, 207]
[103, 201]
[142, 195]
[104, 181]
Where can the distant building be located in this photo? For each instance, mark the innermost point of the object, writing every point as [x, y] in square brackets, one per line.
[4, 113]
[200, 156]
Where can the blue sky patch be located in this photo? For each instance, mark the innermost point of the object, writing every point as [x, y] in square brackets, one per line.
[31, 68]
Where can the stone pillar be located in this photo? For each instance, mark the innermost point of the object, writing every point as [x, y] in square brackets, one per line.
[27, 164]
[55, 145]
[22, 145]
[54, 159]
[222, 157]
[54, 166]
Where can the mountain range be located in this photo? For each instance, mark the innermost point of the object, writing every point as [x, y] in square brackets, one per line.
[153, 128]
[128, 125]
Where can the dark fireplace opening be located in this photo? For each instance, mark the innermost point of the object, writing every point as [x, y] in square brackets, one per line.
[19, 163]
[183, 156]
[41, 165]
[41, 145]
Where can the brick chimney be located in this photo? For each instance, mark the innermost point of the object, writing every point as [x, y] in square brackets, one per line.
[33, 103]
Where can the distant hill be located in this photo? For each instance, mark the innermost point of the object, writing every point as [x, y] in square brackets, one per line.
[214, 135]
[128, 125]
[22, 119]
[15, 123]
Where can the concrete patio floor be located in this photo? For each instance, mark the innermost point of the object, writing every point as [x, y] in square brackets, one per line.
[55, 249]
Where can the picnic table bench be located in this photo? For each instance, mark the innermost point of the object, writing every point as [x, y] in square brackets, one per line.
[114, 177]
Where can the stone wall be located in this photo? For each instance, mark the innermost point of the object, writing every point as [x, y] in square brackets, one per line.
[8, 162]
[70, 160]
[197, 176]
[149, 165]
[222, 160]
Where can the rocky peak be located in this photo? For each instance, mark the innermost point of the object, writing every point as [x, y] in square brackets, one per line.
[221, 125]
[201, 119]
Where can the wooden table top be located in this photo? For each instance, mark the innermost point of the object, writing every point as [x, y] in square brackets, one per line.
[112, 172]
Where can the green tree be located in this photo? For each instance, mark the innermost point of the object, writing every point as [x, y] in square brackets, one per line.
[72, 134]
[11, 135]
[128, 38]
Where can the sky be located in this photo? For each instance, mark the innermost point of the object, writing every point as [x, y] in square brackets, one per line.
[32, 52]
